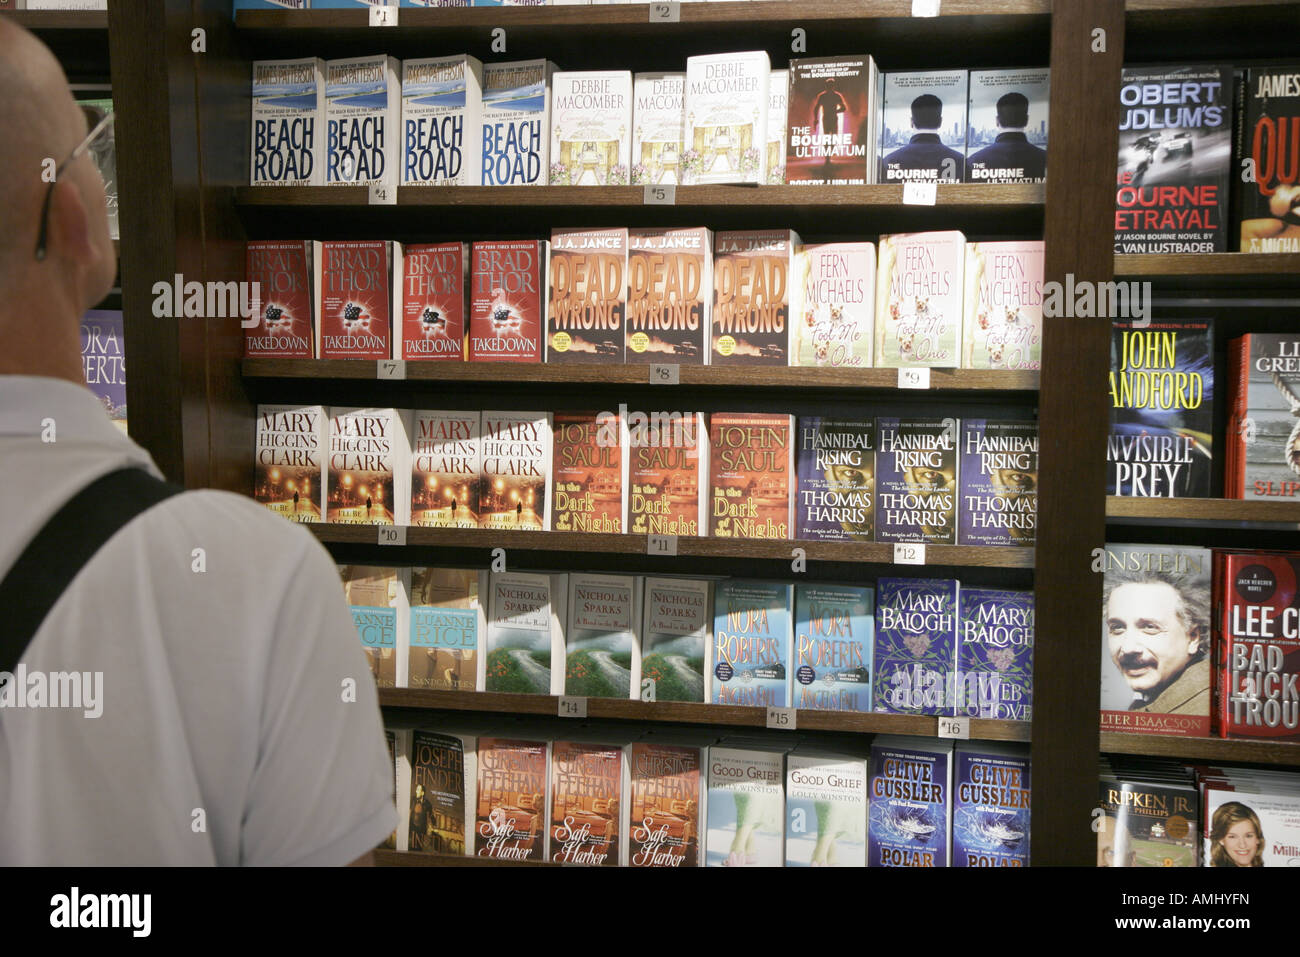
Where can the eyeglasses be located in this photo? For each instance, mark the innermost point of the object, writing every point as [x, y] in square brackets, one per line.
[82, 147]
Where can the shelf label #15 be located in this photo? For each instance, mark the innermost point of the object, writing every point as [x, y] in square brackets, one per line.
[387, 16]
[914, 378]
[573, 707]
[390, 368]
[908, 553]
[659, 195]
[925, 8]
[665, 375]
[661, 544]
[955, 728]
[666, 12]
[919, 194]
[785, 719]
[381, 194]
[392, 534]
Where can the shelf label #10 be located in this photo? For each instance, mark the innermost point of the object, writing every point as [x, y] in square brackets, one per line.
[666, 12]
[387, 16]
[665, 375]
[390, 368]
[919, 194]
[392, 534]
[784, 719]
[955, 728]
[573, 707]
[659, 195]
[661, 544]
[914, 378]
[909, 553]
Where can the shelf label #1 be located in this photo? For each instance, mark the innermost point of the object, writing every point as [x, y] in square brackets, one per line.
[925, 8]
[919, 194]
[659, 195]
[784, 719]
[387, 16]
[955, 728]
[665, 375]
[573, 707]
[381, 194]
[666, 12]
[392, 534]
[914, 378]
[908, 553]
[661, 544]
[390, 368]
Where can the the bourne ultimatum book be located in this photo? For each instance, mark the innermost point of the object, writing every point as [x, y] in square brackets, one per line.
[831, 121]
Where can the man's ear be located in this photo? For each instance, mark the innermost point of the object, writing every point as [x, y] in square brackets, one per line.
[70, 222]
[1194, 643]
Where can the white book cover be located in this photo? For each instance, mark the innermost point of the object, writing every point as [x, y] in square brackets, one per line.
[525, 633]
[825, 809]
[657, 130]
[746, 808]
[602, 640]
[367, 481]
[289, 454]
[442, 120]
[445, 464]
[1250, 823]
[675, 639]
[289, 137]
[778, 102]
[725, 130]
[920, 289]
[834, 305]
[447, 628]
[515, 488]
[363, 110]
[591, 128]
[516, 122]
[1004, 306]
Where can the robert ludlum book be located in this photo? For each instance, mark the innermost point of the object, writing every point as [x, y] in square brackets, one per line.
[508, 294]
[591, 128]
[668, 473]
[836, 467]
[448, 629]
[1263, 435]
[516, 122]
[587, 780]
[603, 649]
[355, 298]
[442, 119]
[998, 502]
[368, 467]
[777, 106]
[291, 444]
[513, 781]
[751, 475]
[525, 633]
[990, 806]
[725, 133]
[1266, 217]
[657, 128]
[284, 301]
[288, 141]
[916, 645]
[1162, 409]
[923, 127]
[833, 304]
[833, 641]
[445, 467]
[751, 297]
[917, 480]
[515, 483]
[825, 809]
[589, 473]
[665, 804]
[1006, 132]
[587, 295]
[1004, 306]
[675, 638]
[746, 807]
[669, 295]
[372, 592]
[910, 815]
[995, 654]
[832, 120]
[103, 360]
[752, 635]
[441, 795]
[431, 311]
[363, 113]
[1175, 155]
[920, 285]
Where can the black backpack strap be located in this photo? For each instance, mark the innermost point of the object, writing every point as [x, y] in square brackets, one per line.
[62, 548]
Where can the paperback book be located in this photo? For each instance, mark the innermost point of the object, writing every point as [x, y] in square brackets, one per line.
[288, 141]
[990, 806]
[103, 151]
[586, 803]
[367, 477]
[431, 311]
[511, 810]
[669, 295]
[283, 274]
[591, 128]
[915, 652]
[752, 638]
[516, 122]
[995, 654]
[657, 128]
[751, 475]
[751, 297]
[103, 360]
[668, 473]
[525, 634]
[836, 469]
[445, 469]
[746, 808]
[1263, 435]
[834, 293]
[917, 480]
[507, 301]
[589, 473]
[999, 483]
[1003, 306]
[676, 637]
[587, 295]
[725, 132]
[825, 809]
[290, 452]
[910, 814]
[832, 120]
[1266, 216]
[448, 628]
[1006, 133]
[363, 111]
[833, 641]
[356, 280]
[442, 793]
[442, 116]
[923, 127]
[1146, 824]
[372, 592]
[603, 648]
[920, 283]
[515, 483]
[778, 97]
[665, 814]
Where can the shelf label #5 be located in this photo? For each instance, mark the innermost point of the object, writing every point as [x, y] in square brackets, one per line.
[390, 368]
[785, 719]
[661, 544]
[925, 8]
[919, 194]
[392, 534]
[908, 553]
[573, 707]
[665, 375]
[914, 378]
[387, 16]
[659, 195]
[955, 728]
[381, 194]
[666, 12]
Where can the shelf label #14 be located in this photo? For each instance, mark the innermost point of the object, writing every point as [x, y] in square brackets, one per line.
[955, 728]
[392, 534]
[387, 16]
[909, 553]
[916, 193]
[571, 707]
[914, 378]
[785, 719]
[661, 544]
[665, 375]
[659, 195]
[666, 12]
[390, 368]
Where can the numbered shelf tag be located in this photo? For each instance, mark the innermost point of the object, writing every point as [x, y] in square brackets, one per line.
[387, 16]
[392, 534]
[784, 719]
[390, 368]
[906, 553]
[955, 728]
[661, 545]
[659, 195]
[919, 194]
[381, 194]
[573, 707]
[665, 375]
[666, 12]
[914, 378]
[925, 8]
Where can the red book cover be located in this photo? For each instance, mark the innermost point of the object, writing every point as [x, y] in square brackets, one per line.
[751, 297]
[507, 301]
[751, 474]
[587, 299]
[433, 301]
[1258, 645]
[667, 473]
[355, 300]
[664, 829]
[588, 473]
[1238, 428]
[283, 304]
[511, 807]
[586, 788]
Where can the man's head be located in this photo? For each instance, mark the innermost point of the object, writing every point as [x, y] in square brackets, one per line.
[927, 112]
[1157, 623]
[1013, 111]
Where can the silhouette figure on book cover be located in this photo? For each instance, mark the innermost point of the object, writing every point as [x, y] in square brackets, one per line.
[1012, 149]
[925, 150]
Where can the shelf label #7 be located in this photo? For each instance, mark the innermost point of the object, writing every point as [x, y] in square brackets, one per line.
[785, 719]
[659, 195]
[392, 534]
[908, 553]
[666, 12]
[955, 728]
[390, 369]
[387, 16]
[661, 544]
[573, 707]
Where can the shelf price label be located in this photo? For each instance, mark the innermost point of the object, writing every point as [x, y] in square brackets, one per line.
[392, 534]
[381, 194]
[914, 378]
[955, 728]
[659, 195]
[387, 16]
[665, 375]
[661, 545]
[783, 719]
[666, 12]
[390, 369]
[573, 707]
[907, 553]
[920, 194]
[925, 8]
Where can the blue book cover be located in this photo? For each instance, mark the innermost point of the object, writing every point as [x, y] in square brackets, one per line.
[990, 808]
[516, 123]
[916, 480]
[835, 465]
[909, 782]
[999, 483]
[442, 102]
[103, 360]
[833, 639]
[923, 127]
[751, 643]
[995, 654]
[362, 113]
[445, 631]
[916, 645]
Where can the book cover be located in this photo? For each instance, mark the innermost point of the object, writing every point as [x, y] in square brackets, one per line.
[507, 301]
[1006, 131]
[104, 154]
[589, 473]
[586, 802]
[603, 651]
[915, 653]
[1146, 824]
[1162, 409]
[1004, 306]
[725, 131]
[995, 654]
[445, 467]
[751, 475]
[399, 753]
[910, 813]
[371, 592]
[288, 145]
[751, 643]
[290, 451]
[591, 128]
[834, 292]
[669, 295]
[1259, 827]
[667, 473]
[1263, 434]
[923, 127]
[515, 483]
[587, 295]
[363, 110]
[433, 289]
[447, 629]
[999, 483]
[525, 645]
[1155, 666]
[442, 793]
[990, 806]
[832, 121]
[1266, 216]
[778, 101]
[833, 640]
[284, 301]
[442, 115]
[825, 809]
[920, 286]
[516, 122]
[836, 469]
[1175, 147]
[917, 480]
[751, 297]
[746, 808]
[365, 476]
[103, 360]
[657, 128]
[510, 821]
[665, 819]
[675, 638]
[354, 304]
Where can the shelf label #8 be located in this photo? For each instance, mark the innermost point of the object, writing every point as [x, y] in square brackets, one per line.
[925, 8]
[390, 368]
[381, 194]
[661, 545]
[784, 719]
[665, 375]
[387, 16]
[666, 12]
[573, 707]
[907, 553]
[659, 195]
[914, 378]
[955, 728]
[919, 194]
[392, 534]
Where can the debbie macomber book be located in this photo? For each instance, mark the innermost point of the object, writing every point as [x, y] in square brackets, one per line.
[726, 106]
[657, 128]
[291, 442]
[920, 285]
[288, 123]
[445, 469]
[516, 122]
[363, 109]
[833, 640]
[442, 118]
[591, 128]
[751, 643]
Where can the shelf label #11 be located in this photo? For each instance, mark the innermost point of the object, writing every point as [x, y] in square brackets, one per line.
[661, 544]
[919, 194]
[784, 719]
[659, 195]
[666, 12]
[573, 707]
[387, 16]
[909, 553]
[914, 378]
[955, 728]
[381, 194]
[392, 534]
[390, 368]
[665, 375]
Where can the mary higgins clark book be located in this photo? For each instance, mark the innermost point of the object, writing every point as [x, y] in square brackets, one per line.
[836, 466]
[998, 503]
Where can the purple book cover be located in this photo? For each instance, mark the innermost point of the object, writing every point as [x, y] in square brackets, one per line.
[916, 645]
[995, 654]
[836, 471]
[103, 360]
[999, 483]
[909, 788]
[990, 808]
[916, 480]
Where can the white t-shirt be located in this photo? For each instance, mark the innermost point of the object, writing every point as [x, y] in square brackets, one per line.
[226, 735]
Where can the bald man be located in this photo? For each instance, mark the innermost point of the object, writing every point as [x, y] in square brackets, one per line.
[180, 680]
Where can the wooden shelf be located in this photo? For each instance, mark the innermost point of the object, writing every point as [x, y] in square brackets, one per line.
[1204, 749]
[675, 712]
[1214, 270]
[1192, 30]
[386, 858]
[39, 21]
[1222, 512]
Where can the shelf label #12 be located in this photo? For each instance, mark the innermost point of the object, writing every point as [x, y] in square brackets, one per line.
[784, 719]
[665, 375]
[955, 728]
[916, 193]
[392, 534]
[666, 12]
[661, 544]
[914, 378]
[387, 16]
[909, 553]
[571, 707]
[659, 195]
[390, 369]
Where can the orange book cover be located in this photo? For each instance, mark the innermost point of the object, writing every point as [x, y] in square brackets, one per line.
[586, 787]
[664, 829]
[751, 474]
[588, 473]
[751, 297]
[511, 807]
[666, 478]
[587, 295]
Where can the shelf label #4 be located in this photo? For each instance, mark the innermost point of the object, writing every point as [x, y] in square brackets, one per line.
[785, 719]
[665, 375]
[573, 707]
[661, 544]
[920, 194]
[392, 534]
[387, 16]
[659, 195]
[666, 12]
[914, 378]
[908, 553]
[955, 728]
[381, 194]
[390, 369]
[925, 8]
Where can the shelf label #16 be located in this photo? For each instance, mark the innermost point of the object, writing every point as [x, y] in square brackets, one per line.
[390, 368]
[908, 553]
[659, 195]
[784, 719]
[665, 375]
[573, 707]
[666, 12]
[914, 378]
[955, 728]
[392, 534]
[919, 194]
[661, 544]
[381, 194]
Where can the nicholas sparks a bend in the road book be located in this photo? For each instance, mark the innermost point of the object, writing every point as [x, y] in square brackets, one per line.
[515, 484]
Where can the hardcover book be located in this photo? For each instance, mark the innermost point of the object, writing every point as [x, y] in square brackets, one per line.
[515, 484]
[1162, 409]
[916, 480]
[372, 592]
[367, 477]
[288, 147]
[834, 293]
[746, 808]
[916, 646]
[751, 643]
[591, 128]
[442, 793]
[832, 121]
[990, 806]
[288, 476]
[657, 128]
[825, 809]
[910, 815]
[103, 360]
[836, 468]
[442, 119]
[589, 473]
[586, 803]
[510, 820]
[751, 475]
[525, 634]
[675, 638]
[516, 122]
[1006, 132]
[669, 295]
[665, 805]
[999, 483]
[445, 469]
[284, 299]
[668, 473]
[1004, 306]
[587, 295]
[995, 654]
[920, 282]
[507, 301]
[1263, 435]
[432, 308]
[356, 280]
[1266, 216]
[923, 127]
[833, 641]
[751, 297]
[603, 648]
[725, 107]
[1175, 147]
[777, 106]
[448, 628]
[363, 111]
[1146, 824]
[1155, 647]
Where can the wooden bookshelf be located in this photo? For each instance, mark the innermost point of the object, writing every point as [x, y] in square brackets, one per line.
[1202, 749]
[385, 858]
[1226, 512]
[1214, 270]
[42, 21]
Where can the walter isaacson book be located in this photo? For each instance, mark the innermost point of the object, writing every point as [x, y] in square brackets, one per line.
[1263, 435]
[591, 128]
[831, 121]
[1266, 218]
[751, 643]
[587, 295]
[751, 297]
[751, 475]
[288, 477]
[675, 638]
[1162, 409]
[430, 316]
[442, 117]
[354, 299]
[508, 295]
[836, 468]
[1175, 155]
[447, 629]
[589, 473]
[103, 362]
[923, 127]
[669, 295]
[725, 106]
[916, 480]
[368, 467]
[915, 653]
[1006, 130]
[833, 297]
[909, 786]
[1004, 306]
[657, 128]
[833, 641]
[603, 648]
[920, 285]
[515, 484]
[995, 654]
[513, 779]
[668, 473]
[998, 501]
[516, 122]
[445, 467]
[666, 803]
[990, 806]
[288, 141]
[286, 298]
[363, 112]
[372, 592]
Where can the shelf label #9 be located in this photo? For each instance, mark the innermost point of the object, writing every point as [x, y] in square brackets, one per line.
[919, 194]
[666, 12]
[908, 553]
[925, 8]
[914, 378]
[661, 544]
[784, 719]
[659, 195]
[392, 534]
[381, 194]
[390, 368]
[665, 375]
[387, 16]
[955, 728]
[573, 707]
